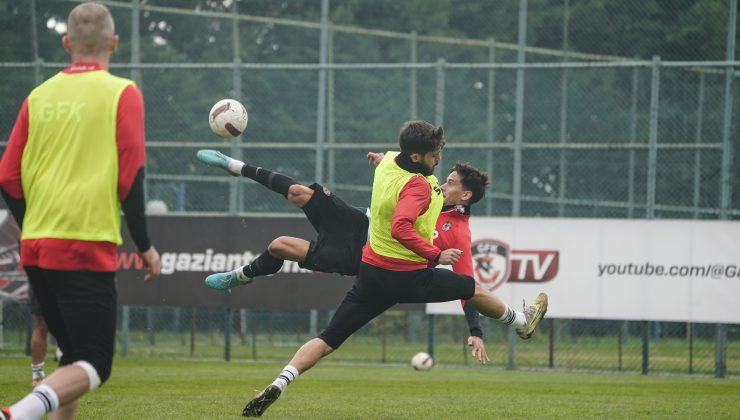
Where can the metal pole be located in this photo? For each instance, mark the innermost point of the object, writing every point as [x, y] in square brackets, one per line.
[243, 326]
[519, 118]
[38, 76]
[135, 56]
[439, 114]
[720, 365]
[563, 112]
[430, 336]
[330, 111]
[125, 324]
[552, 339]
[726, 192]
[321, 105]
[31, 321]
[690, 339]
[236, 150]
[414, 59]
[2, 327]
[511, 348]
[653, 147]
[383, 339]
[645, 347]
[697, 135]
[439, 109]
[193, 320]
[633, 139]
[491, 114]
[313, 328]
[227, 335]
[620, 344]
[150, 324]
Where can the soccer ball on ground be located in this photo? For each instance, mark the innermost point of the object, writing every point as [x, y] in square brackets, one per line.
[228, 118]
[422, 361]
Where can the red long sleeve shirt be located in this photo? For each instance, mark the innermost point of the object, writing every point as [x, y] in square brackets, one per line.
[413, 201]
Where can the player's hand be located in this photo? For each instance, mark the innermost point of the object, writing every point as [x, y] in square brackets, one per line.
[152, 263]
[479, 349]
[449, 256]
[375, 158]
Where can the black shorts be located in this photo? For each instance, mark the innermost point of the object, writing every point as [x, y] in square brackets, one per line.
[33, 302]
[80, 309]
[375, 290]
[342, 233]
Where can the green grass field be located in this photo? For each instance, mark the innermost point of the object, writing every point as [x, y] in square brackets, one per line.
[186, 389]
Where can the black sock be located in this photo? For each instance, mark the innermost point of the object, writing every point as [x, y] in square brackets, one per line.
[272, 180]
[263, 265]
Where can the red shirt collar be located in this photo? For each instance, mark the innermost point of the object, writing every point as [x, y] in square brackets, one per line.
[82, 67]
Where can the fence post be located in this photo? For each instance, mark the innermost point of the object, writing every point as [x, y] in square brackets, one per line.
[720, 359]
[242, 326]
[330, 111]
[697, 137]
[439, 111]
[490, 116]
[227, 335]
[313, 322]
[633, 139]
[254, 335]
[645, 347]
[236, 80]
[29, 331]
[653, 146]
[193, 320]
[135, 55]
[511, 335]
[321, 101]
[563, 112]
[727, 177]
[150, 324]
[430, 336]
[125, 322]
[2, 327]
[412, 93]
[519, 113]
[620, 337]
[690, 339]
[552, 338]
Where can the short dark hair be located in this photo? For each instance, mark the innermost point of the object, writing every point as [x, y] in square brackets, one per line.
[473, 180]
[420, 137]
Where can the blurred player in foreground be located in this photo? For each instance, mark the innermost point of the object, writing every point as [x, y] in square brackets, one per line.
[75, 158]
[406, 204]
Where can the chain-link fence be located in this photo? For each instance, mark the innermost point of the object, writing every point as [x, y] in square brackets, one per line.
[576, 109]
[395, 336]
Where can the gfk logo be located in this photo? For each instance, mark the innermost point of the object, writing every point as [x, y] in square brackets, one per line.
[534, 266]
[495, 264]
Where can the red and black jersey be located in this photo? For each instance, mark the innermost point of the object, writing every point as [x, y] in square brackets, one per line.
[453, 231]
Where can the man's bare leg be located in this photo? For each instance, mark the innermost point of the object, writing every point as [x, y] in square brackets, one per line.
[289, 248]
[39, 344]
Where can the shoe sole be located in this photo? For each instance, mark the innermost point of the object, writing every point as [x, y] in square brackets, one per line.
[261, 402]
[541, 311]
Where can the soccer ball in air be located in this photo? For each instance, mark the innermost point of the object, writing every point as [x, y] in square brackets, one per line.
[422, 361]
[228, 118]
